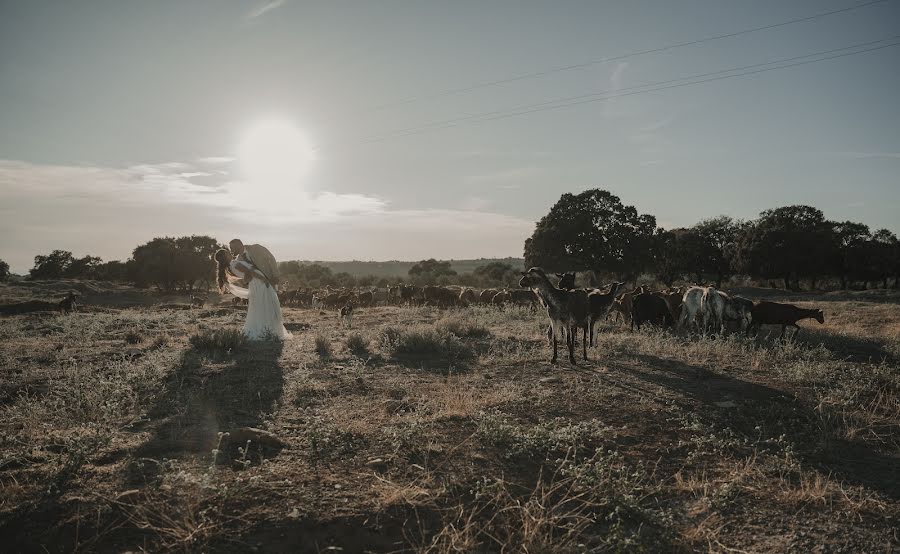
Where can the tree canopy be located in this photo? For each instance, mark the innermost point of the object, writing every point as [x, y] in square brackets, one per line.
[592, 230]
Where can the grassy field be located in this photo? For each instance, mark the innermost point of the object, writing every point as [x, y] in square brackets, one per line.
[124, 428]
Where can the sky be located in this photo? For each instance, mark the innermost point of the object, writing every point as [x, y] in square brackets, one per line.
[315, 127]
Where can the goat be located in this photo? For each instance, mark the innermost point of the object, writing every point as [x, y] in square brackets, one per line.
[717, 308]
[672, 298]
[67, 304]
[467, 297]
[523, 298]
[502, 297]
[442, 297]
[366, 298]
[624, 305]
[568, 310]
[786, 315]
[600, 303]
[690, 307]
[487, 296]
[566, 280]
[346, 315]
[650, 308]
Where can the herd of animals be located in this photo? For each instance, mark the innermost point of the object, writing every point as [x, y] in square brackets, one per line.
[702, 309]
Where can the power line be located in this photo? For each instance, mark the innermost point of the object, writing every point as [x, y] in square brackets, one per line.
[549, 71]
[695, 79]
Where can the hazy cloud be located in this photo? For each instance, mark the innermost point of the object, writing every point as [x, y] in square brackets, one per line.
[264, 7]
[62, 206]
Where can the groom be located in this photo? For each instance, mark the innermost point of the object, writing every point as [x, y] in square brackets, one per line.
[257, 255]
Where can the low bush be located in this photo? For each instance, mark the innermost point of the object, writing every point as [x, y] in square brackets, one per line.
[226, 340]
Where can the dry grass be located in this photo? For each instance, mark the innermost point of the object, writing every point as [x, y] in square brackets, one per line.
[449, 429]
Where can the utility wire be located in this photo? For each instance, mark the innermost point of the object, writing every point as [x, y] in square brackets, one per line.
[695, 79]
[460, 90]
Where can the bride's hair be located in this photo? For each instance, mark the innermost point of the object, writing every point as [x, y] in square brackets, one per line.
[223, 258]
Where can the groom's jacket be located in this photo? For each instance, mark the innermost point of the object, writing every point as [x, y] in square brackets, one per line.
[263, 260]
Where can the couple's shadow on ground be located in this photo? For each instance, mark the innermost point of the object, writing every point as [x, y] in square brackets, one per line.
[211, 392]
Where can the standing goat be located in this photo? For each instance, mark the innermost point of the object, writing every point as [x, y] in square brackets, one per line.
[67, 304]
[346, 315]
[568, 310]
[600, 303]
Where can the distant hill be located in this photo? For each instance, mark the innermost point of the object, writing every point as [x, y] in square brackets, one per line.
[395, 268]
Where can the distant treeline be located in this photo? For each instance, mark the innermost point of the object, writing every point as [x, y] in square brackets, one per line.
[591, 232]
[398, 269]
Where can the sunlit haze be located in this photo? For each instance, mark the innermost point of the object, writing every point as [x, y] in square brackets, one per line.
[409, 130]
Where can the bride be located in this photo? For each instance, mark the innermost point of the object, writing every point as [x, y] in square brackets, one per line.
[240, 278]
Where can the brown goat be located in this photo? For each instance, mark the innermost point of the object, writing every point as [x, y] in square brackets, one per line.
[786, 315]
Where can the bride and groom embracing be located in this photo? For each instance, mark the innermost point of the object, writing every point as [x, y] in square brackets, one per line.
[251, 272]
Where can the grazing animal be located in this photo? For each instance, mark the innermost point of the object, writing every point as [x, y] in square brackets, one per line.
[650, 308]
[600, 304]
[68, 304]
[381, 296]
[366, 298]
[566, 280]
[502, 297]
[712, 310]
[690, 307]
[717, 308]
[672, 298]
[487, 296]
[467, 297]
[625, 303]
[568, 310]
[442, 297]
[346, 315]
[523, 298]
[197, 301]
[786, 315]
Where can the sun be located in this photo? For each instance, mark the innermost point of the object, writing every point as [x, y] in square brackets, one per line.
[274, 153]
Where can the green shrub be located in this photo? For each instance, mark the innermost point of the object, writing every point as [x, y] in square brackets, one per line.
[357, 345]
[226, 340]
[389, 337]
[463, 328]
[425, 342]
[323, 346]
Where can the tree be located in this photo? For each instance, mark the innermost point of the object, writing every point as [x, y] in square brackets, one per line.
[4, 271]
[717, 239]
[431, 271]
[786, 243]
[885, 253]
[113, 270]
[172, 263]
[851, 250]
[592, 230]
[82, 268]
[682, 252]
[495, 274]
[51, 266]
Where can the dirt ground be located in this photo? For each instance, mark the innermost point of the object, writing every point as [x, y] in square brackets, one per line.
[125, 427]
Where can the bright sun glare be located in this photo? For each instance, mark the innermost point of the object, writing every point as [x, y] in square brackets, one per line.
[274, 152]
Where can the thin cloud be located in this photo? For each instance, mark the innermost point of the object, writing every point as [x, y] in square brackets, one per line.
[215, 160]
[266, 7]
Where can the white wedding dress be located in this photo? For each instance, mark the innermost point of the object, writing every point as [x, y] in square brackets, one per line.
[264, 319]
